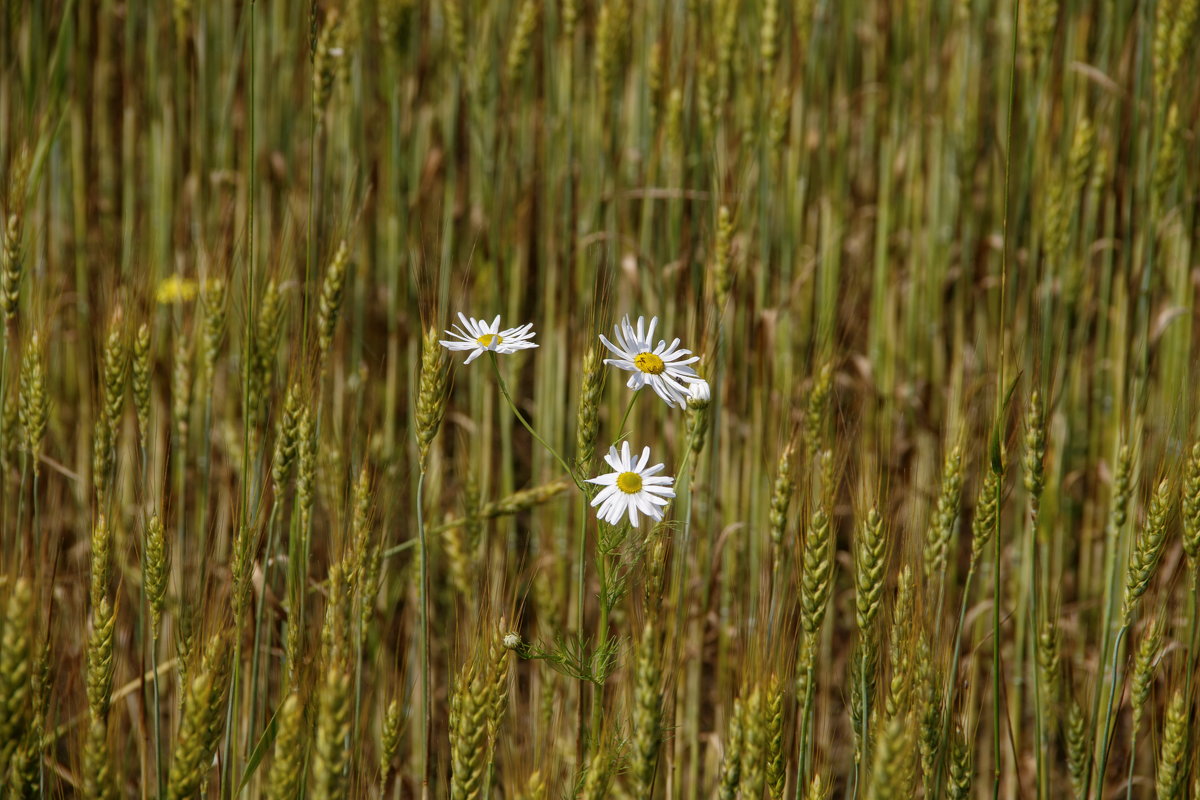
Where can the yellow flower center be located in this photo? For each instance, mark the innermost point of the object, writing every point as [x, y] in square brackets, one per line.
[489, 339]
[648, 362]
[629, 482]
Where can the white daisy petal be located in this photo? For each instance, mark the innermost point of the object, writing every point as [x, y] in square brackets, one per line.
[611, 512]
[604, 494]
[662, 392]
[514, 333]
[677, 388]
[612, 347]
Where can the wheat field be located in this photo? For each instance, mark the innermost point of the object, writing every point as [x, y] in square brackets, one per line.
[919, 509]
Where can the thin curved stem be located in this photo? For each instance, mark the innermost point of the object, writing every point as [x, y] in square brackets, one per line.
[1114, 536]
[260, 606]
[1112, 691]
[426, 715]
[1042, 778]
[1132, 761]
[3, 397]
[680, 571]
[521, 417]
[580, 603]
[158, 760]
[601, 642]
[231, 728]
[681, 565]
[948, 711]
[997, 675]
[1194, 633]
[625, 416]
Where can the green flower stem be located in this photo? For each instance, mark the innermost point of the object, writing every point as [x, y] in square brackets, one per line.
[521, 417]
[625, 416]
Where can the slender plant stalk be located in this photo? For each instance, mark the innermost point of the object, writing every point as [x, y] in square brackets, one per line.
[997, 457]
[1041, 775]
[952, 680]
[1193, 628]
[231, 748]
[997, 676]
[1105, 635]
[525, 423]
[1105, 732]
[260, 613]
[423, 603]
[601, 642]
[580, 622]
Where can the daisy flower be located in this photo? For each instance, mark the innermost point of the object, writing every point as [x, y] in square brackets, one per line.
[632, 488]
[661, 367]
[478, 337]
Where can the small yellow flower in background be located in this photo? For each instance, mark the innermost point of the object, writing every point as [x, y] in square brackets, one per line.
[176, 289]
